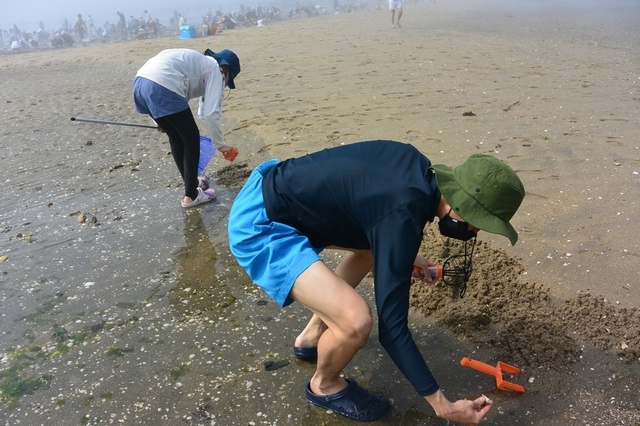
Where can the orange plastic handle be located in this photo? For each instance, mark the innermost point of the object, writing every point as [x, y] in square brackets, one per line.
[488, 369]
[435, 271]
[479, 366]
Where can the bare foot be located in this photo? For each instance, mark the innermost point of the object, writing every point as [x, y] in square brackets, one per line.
[311, 333]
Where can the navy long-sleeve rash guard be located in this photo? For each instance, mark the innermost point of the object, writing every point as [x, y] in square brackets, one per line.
[375, 195]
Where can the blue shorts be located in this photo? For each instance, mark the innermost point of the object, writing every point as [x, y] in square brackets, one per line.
[273, 254]
[155, 100]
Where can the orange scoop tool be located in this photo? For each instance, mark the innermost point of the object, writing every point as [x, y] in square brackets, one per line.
[231, 154]
[495, 371]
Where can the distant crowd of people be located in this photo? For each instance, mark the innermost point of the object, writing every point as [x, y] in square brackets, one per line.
[82, 31]
[85, 31]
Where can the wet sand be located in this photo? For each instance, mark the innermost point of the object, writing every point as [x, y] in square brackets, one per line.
[138, 314]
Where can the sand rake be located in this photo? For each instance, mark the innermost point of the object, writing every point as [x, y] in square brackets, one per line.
[495, 371]
[118, 123]
[455, 271]
[206, 148]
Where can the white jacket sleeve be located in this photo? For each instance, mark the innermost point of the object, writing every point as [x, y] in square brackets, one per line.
[210, 108]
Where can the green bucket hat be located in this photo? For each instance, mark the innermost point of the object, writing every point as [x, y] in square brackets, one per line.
[483, 191]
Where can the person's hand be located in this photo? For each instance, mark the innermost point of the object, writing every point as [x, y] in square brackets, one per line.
[421, 269]
[229, 152]
[160, 129]
[462, 411]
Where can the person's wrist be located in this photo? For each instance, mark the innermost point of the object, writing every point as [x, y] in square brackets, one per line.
[439, 403]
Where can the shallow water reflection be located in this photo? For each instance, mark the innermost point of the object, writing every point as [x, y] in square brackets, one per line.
[209, 281]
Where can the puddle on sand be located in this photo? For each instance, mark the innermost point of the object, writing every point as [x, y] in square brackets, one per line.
[208, 277]
[80, 295]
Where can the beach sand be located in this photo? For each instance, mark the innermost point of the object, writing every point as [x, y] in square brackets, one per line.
[120, 307]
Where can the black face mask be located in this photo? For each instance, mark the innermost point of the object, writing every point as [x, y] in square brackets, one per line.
[453, 228]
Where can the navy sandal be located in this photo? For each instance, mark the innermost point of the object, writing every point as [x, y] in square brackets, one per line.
[309, 354]
[353, 402]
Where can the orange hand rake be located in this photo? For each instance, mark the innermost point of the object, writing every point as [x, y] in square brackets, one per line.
[495, 371]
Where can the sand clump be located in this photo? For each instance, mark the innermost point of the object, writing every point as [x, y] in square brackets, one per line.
[519, 319]
[233, 175]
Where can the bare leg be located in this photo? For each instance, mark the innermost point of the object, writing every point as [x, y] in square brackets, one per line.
[393, 20]
[347, 319]
[353, 268]
[399, 16]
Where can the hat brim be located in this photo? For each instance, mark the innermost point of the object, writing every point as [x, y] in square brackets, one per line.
[466, 206]
[230, 83]
[221, 61]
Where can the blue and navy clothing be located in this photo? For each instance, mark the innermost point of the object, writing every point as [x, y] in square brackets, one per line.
[376, 195]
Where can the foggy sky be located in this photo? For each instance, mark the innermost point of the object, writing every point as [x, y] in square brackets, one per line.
[26, 14]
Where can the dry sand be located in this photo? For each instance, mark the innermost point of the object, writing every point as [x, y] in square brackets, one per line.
[553, 91]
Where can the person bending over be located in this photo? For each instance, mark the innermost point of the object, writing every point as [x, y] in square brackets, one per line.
[162, 89]
[372, 199]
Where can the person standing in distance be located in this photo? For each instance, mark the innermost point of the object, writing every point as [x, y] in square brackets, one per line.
[393, 6]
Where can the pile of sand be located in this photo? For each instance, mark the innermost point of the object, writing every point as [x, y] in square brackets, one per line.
[519, 319]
